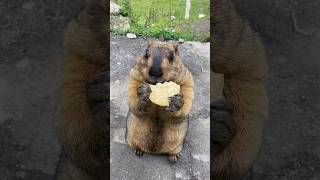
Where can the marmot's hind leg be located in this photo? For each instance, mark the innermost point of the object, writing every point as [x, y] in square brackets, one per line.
[138, 152]
[174, 155]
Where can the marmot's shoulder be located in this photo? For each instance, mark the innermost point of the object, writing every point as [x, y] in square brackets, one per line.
[238, 50]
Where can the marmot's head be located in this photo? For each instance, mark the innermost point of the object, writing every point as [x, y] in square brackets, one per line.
[160, 63]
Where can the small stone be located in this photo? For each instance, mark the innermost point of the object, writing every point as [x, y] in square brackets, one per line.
[181, 40]
[120, 23]
[201, 157]
[201, 16]
[119, 136]
[21, 174]
[173, 18]
[181, 174]
[196, 173]
[131, 36]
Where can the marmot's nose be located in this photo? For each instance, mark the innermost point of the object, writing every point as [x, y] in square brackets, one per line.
[155, 72]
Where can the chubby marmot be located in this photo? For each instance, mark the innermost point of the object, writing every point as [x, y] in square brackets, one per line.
[82, 119]
[237, 120]
[152, 128]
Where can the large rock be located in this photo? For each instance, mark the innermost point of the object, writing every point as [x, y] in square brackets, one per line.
[120, 23]
[114, 8]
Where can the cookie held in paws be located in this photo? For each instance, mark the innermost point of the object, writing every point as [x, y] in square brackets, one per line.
[161, 92]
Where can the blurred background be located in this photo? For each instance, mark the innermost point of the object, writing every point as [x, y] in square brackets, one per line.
[290, 30]
[31, 54]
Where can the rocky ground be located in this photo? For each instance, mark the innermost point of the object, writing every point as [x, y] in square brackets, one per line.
[194, 162]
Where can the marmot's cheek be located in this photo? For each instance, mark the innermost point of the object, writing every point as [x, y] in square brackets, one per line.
[165, 77]
[145, 73]
[171, 75]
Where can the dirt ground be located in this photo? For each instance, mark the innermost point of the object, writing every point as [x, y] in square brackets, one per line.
[291, 32]
[31, 56]
[30, 60]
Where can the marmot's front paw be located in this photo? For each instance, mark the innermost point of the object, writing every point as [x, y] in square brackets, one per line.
[98, 94]
[222, 125]
[144, 91]
[175, 103]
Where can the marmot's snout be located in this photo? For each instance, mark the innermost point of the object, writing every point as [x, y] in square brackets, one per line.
[155, 72]
[155, 75]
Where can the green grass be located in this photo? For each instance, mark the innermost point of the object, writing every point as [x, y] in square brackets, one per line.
[153, 18]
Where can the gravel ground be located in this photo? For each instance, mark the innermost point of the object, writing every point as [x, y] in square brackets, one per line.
[30, 61]
[194, 162]
[291, 146]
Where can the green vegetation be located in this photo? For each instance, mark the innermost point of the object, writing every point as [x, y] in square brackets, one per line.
[165, 18]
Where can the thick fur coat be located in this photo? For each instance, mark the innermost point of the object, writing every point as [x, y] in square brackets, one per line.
[239, 55]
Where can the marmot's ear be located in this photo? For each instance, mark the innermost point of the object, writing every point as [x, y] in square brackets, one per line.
[146, 53]
[176, 48]
[150, 43]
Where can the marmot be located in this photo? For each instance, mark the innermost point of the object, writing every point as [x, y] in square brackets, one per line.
[151, 128]
[237, 120]
[83, 95]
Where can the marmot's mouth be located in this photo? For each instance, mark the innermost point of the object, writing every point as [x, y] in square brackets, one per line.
[154, 82]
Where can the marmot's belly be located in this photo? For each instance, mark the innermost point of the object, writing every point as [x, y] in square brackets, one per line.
[162, 140]
[152, 138]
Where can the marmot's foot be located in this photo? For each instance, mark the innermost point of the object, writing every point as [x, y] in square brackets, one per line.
[222, 125]
[138, 152]
[173, 158]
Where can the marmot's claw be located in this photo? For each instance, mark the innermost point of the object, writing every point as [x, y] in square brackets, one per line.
[175, 103]
[143, 92]
[138, 152]
[144, 89]
[173, 158]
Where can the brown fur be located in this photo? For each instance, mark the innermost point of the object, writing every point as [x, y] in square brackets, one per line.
[155, 130]
[240, 56]
[83, 136]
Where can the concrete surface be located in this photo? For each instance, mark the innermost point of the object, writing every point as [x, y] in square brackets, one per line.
[30, 60]
[194, 162]
[291, 145]
[28, 145]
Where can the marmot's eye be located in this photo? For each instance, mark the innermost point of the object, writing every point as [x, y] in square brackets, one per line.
[171, 56]
[146, 53]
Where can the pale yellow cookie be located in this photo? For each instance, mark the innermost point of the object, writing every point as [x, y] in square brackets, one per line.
[160, 93]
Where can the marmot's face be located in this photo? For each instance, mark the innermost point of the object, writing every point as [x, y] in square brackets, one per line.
[160, 63]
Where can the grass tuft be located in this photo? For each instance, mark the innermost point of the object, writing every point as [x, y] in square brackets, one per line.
[165, 18]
